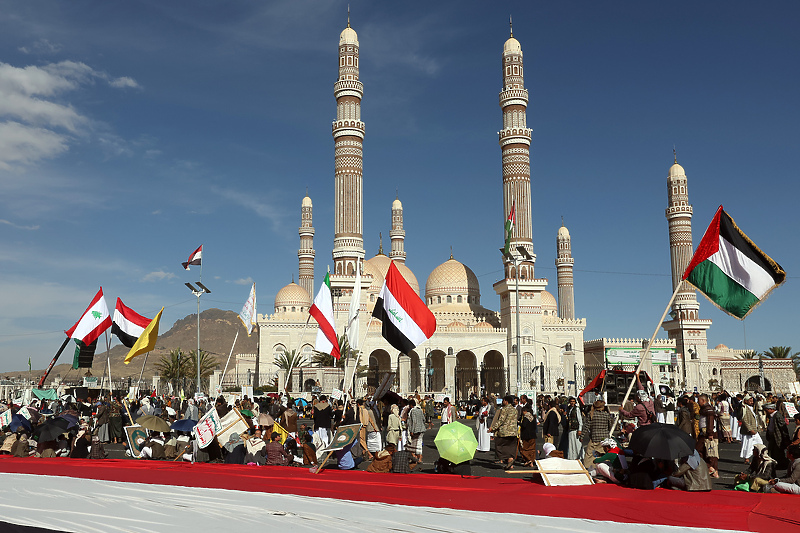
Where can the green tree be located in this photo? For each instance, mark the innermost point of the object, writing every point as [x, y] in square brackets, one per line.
[784, 352]
[291, 359]
[173, 367]
[346, 352]
[750, 354]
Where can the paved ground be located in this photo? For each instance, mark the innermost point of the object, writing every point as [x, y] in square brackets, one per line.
[730, 463]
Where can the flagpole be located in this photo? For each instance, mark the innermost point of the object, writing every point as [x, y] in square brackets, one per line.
[221, 379]
[358, 357]
[108, 364]
[647, 352]
[139, 381]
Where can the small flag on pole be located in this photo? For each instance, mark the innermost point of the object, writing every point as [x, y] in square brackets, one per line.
[322, 311]
[730, 270]
[407, 321]
[147, 340]
[248, 314]
[510, 221]
[195, 259]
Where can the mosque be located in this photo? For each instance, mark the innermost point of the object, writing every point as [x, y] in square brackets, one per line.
[533, 343]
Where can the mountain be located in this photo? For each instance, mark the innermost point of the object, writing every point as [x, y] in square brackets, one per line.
[217, 331]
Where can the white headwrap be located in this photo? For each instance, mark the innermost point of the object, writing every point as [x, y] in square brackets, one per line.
[548, 448]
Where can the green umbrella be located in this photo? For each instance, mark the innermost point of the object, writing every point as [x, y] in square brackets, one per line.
[246, 412]
[456, 442]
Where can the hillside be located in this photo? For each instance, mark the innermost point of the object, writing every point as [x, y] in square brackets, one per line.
[217, 331]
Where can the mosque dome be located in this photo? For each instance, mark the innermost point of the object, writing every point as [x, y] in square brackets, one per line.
[484, 325]
[348, 36]
[397, 204]
[549, 303]
[378, 266]
[512, 46]
[292, 295]
[676, 171]
[563, 232]
[720, 347]
[453, 279]
[306, 202]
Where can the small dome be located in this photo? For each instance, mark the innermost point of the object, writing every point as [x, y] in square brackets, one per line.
[512, 46]
[549, 303]
[348, 36]
[378, 266]
[453, 278]
[720, 347]
[306, 202]
[292, 295]
[484, 325]
[397, 204]
[676, 171]
[456, 324]
[563, 232]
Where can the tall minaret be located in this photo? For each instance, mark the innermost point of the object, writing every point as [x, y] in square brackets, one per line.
[686, 327]
[515, 141]
[348, 135]
[305, 255]
[398, 234]
[564, 263]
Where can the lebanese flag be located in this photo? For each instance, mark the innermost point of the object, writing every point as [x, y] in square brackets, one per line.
[94, 321]
[128, 325]
[194, 259]
[322, 311]
[407, 321]
[730, 270]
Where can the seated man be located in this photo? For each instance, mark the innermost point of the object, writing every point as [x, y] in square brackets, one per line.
[276, 454]
[612, 465]
[344, 459]
[382, 462]
[791, 483]
[692, 475]
[403, 462]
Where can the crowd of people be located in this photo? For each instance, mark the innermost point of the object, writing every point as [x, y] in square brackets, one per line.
[390, 433]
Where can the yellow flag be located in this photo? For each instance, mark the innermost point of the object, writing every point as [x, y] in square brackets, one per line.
[147, 340]
[277, 428]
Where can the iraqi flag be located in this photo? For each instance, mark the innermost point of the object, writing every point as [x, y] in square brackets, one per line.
[407, 321]
[127, 324]
[730, 269]
[322, 311]
[195, 259]
[93, 322]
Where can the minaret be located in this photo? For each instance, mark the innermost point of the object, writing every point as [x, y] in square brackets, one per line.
[515, 141]
[398, 234]
[564, 263]
[305, 255]
[348, 135]
[686, 327]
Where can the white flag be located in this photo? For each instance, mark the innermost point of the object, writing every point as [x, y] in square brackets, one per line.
[5, 418]
[248, 314]
[207, 428]
[355, 305]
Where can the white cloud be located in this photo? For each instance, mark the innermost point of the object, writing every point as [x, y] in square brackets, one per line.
[244, 281]
[124, 83]
[27, 144]
[158, 275]
[248, 201]
[42, 46]
[17, 226]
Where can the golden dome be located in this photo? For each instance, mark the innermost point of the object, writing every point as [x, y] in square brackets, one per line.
[292, 295]
[378, 266]
[549, 303]
[453, 278]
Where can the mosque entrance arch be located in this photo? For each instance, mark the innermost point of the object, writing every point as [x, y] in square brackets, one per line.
[753, 383]
[466, 375]
[380, 363]
[414, 380]
[435, 371]
[493, 373]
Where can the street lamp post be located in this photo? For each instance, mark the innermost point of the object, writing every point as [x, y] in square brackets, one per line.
[198, 292]
[525, 256]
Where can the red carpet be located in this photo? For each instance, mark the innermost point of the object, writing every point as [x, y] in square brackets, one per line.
[716, 509]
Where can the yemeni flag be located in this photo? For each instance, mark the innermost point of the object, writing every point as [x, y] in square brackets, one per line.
[194, 259]
[322, 311]
[407, 321]
[731, 270]
[127, 324]
[510, 221]
[94, 321]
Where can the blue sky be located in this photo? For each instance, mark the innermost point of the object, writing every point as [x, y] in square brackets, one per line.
[131, 133]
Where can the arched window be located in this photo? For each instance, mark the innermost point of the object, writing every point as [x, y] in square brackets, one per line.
[458, 299]
[294, 309]
[449, 299]
[438, 299]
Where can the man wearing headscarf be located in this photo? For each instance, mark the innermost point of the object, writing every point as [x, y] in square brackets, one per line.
[750, 436]
[192, 412]
[574, 430]
[692, 474]
[777, 435]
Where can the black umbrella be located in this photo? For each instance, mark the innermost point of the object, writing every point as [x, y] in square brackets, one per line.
[51, 429]
[661, 441]
[70, 418]
[19, 421]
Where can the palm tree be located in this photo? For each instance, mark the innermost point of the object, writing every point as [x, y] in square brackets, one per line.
[346, 352]
[784, 352]
[173, 367]
[750, 354]
[291, 359]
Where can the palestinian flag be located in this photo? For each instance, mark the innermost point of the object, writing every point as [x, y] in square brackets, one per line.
[127, 324]
[322, 311]
[94, 321]
[730, 269]
[509, 228]
[195, 259]
[407, 321]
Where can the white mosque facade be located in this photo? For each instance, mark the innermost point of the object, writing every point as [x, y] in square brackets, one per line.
[474, 349]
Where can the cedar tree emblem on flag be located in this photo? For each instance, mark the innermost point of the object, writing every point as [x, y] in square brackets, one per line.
[730, 270]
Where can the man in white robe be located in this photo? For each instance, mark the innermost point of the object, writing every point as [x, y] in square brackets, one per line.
[575, 420]
[750, 436]
[485, 416]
